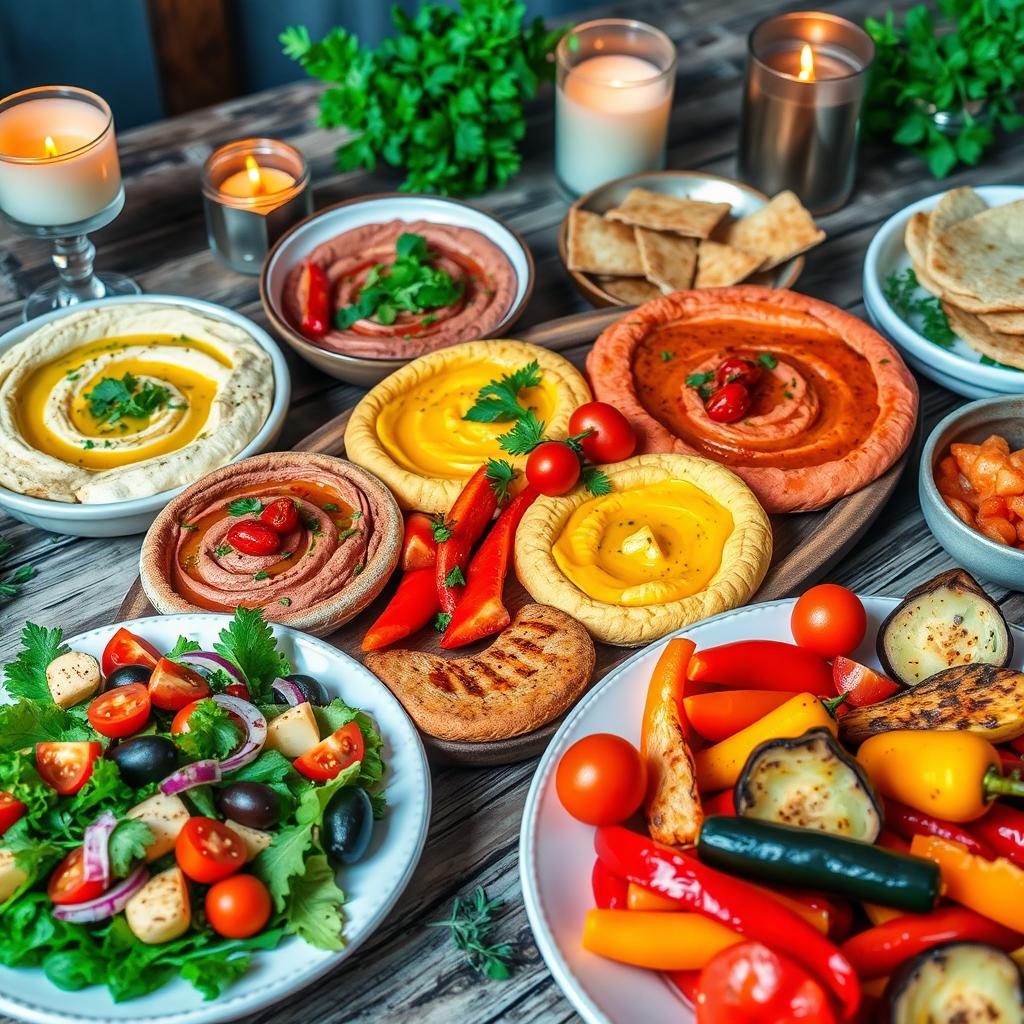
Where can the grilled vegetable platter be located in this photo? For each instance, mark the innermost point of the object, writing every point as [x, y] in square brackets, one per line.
[758, 821]
[182, 795]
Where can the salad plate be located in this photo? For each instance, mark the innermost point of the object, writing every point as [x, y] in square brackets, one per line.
[371, 886]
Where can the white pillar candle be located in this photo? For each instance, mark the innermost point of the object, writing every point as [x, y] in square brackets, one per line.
[611, 117]
[58, 157]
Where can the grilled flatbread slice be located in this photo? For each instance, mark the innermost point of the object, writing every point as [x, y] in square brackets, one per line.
[660, 212]
[956, 205]
[777, 232]
[1003, 348]
[719, 266]
[597, 245]
[669, 260]
[915, 238]
[534, 671]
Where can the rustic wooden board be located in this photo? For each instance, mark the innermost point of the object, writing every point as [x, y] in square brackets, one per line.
[806, 544]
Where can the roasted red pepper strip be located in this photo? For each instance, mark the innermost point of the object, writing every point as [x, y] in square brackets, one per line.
[878, 951]
[316, 301]
[1002, 830]
[907, 822]
[610, 891]
[763, 665]
[419, 549]
[731, 901]
[480, 611]
[467, 521]
[413, 606]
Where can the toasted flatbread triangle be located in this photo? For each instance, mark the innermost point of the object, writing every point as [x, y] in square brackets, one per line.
[600, 246]
[777, 232]
[719, 266]
[660, 212]
[669, 260]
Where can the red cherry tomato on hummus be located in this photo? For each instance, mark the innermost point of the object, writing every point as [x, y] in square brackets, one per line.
[728, 404]
[553, 468]
[254, 538]
[829, 620]
[601, 780]
[612, 438]
[281, 516]
[125, 648]
[737, 370]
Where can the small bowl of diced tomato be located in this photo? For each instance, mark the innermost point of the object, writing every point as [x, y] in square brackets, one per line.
[972, 488]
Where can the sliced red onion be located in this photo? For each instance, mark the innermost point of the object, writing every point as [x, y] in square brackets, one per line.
[207, 662]
[112, 902]
[199, 773]
[290, 691]
[255, 731]
[95, 851]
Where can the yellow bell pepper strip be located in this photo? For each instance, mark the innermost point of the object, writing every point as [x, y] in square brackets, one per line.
[994, 888]
[674, 941]
[950, 775]
[668, 680]
[719, 767]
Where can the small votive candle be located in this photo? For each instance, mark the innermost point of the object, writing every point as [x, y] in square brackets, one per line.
[806, 76]
[612, 102]
[253, 191]
[58, 158]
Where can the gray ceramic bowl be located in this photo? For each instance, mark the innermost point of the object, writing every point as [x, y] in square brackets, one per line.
[972, 423]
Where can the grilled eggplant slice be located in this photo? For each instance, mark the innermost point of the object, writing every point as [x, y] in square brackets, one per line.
[956, 983]
[982, 699]
[809, 782]
[945, 622]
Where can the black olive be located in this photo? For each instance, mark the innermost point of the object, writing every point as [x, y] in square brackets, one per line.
[250, 803]
[312, 690]
[348, 825]
[144, 759]
[128, 674]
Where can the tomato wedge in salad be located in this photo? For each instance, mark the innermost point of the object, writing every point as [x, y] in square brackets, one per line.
[333, 755]
[125, 648]
[11, 810]
[66, 767]
[121, 711]
[67, 883]
[173, 686]
[207, 850]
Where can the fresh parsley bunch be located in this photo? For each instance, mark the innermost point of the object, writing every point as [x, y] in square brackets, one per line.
[442, 99]
[974, 54]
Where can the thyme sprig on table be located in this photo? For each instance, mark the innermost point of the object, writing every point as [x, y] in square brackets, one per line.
[471, 924]
[10, 585]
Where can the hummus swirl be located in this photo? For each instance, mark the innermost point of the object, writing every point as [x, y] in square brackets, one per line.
[488, 282]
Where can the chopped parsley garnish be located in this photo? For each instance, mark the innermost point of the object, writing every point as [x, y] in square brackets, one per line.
[498, 401]
[261, 575]
[188, 526]
[286, 601]
[441, 620]
[223, 549]
[501, 474]
[525, 435]
[767, 360]
[442, 528]
[596, 482]
[245, 507]
[350, 532]
[455, 578]
[358, 569]
[330, 507]
[112, 399]
[666, 356]
[696, 380]
[355, 516]
[88, 444]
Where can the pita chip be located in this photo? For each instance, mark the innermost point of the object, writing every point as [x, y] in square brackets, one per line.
[669, 260]
[633, 291]
[600, 246]
[777, 232]
[660, 212]
[719, 266]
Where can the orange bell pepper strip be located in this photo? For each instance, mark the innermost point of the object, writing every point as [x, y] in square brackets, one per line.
[763, 665]
[717, 716]
[419, 549]
[994, 888]
[480, 611]
[661, 941]
[668, 681]
[412, 607]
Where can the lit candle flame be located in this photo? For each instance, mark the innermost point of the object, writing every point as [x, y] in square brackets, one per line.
[50, 146]
[806, 64]
[253, 170]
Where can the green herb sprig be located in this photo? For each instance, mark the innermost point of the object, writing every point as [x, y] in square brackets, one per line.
[11, 584]
[471, 924]
[111, 400]
[925, 312]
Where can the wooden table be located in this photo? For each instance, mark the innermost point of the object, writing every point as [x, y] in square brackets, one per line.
[408, 970]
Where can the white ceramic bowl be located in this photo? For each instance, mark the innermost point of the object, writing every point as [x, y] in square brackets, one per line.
[120, 518]
[372, 886]
[958, 368]
[295, 245]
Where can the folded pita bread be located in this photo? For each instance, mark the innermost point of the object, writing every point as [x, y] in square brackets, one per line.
[633, 291]
[777, 232]
[1004, 323]
[719, 266]
[1003, 348]
[600, 246]
[669, 260]
[646, 209]
[956, 205]
[915, 238]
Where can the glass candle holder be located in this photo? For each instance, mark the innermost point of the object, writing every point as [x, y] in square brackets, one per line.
[806, 76]
[612, 102]
[253, 191]
[60, 179]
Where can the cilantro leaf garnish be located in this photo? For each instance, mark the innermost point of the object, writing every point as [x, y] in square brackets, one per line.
[248, 642]
[441, 527]
[498, 401]
[767, 360]
[501, 474]
[697, 380]
[245, 507]
[211, 732]
[596, 482]
[26, 676]
[112, 399]
[127, 844]
[441, 620]
[526, 433]
[223, 549]
[455, 578]
[182, 646]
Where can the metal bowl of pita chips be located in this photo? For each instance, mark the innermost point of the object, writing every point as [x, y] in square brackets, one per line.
[646, 235]
[944, 280]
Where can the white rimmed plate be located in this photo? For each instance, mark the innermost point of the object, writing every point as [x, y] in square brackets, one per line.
[373, 886]
[120, 518]
[958, 368]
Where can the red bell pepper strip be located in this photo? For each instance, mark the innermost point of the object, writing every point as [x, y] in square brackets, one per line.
[413, 606]
[466, 523]
[610, 891]
[878, 951]
[1002, 830]
[480, 611]
[731, 901]
[908, 822]
[419, 549]
[315, 290]
[763, 665]
[720, 803]
[687, 982]
[862, 685]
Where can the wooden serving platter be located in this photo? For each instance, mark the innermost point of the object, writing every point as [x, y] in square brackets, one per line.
[806, 545]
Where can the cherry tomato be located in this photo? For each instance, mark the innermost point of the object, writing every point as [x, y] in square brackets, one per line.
[330, 756]
[179, 724]
[121, 711]
[208, 850]
[238, 690]
[728, 404]
[601, 779]
[281, 516]
[612, 439]
[553, 468]
[252, 537]
[66, 767]
[238, 907]
[419, 550]
[737, 370]
[172, 686]
[861, 684]
[829, 620]
[751, 984]
[67, 884]
[11, 810]
[125, 648]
